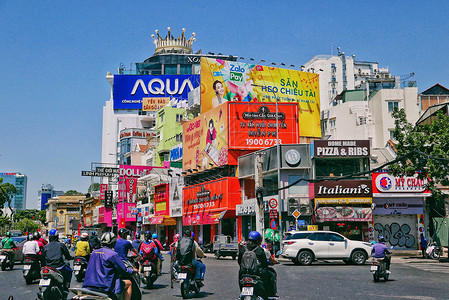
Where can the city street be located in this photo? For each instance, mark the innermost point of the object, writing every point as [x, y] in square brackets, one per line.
[410, 279]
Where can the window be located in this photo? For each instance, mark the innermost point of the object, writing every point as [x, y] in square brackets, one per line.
[392, 105]
[178, 118]
[324, 125]
[391, 132]
[179, 137]
[171, 69]
[318, 236]
[161, 116]
[299, 236]
[332, 123]
[301, 187]
[362, 120]
[335, 237]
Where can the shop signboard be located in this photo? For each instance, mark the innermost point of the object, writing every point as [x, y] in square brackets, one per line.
[103, 189]
[398, 206]
[124, 211]
[223, 81]
[127, 184]
[343, 189]
[344, 213]
[247, 208]
[130, 90]
[176, 153]
[161, 199]
[341, 148]
[207, 202]
[175, 192]
[386, 185]
[136, 133]
[252, 126]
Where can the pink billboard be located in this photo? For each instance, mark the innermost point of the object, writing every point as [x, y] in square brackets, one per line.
[127, 184]
[124, 212]
[105, 216]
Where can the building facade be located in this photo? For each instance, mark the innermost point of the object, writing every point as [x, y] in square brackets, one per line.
[18, 180]
[46, 192]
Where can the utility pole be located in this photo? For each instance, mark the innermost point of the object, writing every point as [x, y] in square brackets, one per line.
[260, 212]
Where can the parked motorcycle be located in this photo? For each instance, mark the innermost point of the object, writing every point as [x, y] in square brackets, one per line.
[434, 251]
[251, 287]
[6, 261]
[31, 269]
[79, 268]
[148, 273]
[186, 276]
[51, 286]
[379, 269]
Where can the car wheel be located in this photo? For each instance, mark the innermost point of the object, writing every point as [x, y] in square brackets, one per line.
[295, 261]
[305, 257]
[358, 257]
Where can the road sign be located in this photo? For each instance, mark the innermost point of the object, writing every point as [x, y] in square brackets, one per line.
[312, 227]
[273, 224]
[273, 213]
[296, 214]
[273, 203]
[108, 198]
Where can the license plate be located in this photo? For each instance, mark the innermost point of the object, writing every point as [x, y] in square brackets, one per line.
[373, 268]
[247, 291]
[2, 257]
[182, 276]
[147, 268]
[44, 282]
[27, 267]
[77, 268]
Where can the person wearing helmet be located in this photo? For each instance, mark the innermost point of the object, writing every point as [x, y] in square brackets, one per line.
[122, 246]
[172, 245]
[8, 246]
[188, 250]
[54, 253]
[137, 241]
[269, 277]
[105, 268]
[39, 238]
[380, 250]
[82, 246]
[94, 241]
[31, 247]
[159, 254]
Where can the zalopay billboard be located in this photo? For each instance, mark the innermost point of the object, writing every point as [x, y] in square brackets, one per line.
[132, 91]
[223, 81]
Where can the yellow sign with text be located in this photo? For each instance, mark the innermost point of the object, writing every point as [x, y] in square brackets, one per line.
[344, 200]
[154, 104]
[312, 227]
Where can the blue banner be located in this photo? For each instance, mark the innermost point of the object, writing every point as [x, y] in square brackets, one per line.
[130, 89]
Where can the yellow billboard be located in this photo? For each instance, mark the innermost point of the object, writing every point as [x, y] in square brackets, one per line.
[223, 81]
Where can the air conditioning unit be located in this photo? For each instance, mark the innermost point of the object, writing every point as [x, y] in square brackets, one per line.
[293, 205]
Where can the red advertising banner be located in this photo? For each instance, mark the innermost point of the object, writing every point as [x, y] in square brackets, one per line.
[127, 172]
[385, 184]
[205, 203]
[161, 199]
[253, 125]
[103, 189]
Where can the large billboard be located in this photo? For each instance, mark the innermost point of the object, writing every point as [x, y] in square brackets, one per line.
[223, 81]
[132, 91]
[252, 126]
[205, 140]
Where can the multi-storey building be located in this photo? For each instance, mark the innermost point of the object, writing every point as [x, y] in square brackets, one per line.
[20, 182]
[47, 192]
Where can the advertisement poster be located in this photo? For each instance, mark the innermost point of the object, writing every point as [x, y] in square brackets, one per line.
[386, 185]
[223, 81]
[127, 183]
[252, 126]
[344, 213]
[205, 140]
[130, 90]
[206, 203]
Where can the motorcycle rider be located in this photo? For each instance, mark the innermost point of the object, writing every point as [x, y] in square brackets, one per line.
[82, 247]
[122, 246]
[268, 275]
[31, 247]
[8, 246]
[54, 253]
[41, 242]
[94, 241]
[200, 268]
[148, 249]
[159, 254]
[39, 238]
[137, 241]
[104, 268]
[379, 251]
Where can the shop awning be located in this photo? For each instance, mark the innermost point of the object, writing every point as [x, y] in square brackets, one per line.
[157, 220]
[169, 221]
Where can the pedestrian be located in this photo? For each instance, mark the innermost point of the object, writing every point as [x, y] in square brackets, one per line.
[423, 245]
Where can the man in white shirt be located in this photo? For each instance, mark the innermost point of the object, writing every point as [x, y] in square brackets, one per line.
[31, 248]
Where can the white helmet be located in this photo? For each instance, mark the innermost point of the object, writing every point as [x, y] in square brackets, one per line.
[84, 235]
[108, 239]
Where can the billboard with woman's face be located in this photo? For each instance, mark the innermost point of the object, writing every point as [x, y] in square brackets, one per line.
[223, 81]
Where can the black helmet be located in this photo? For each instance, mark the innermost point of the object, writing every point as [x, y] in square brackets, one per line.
[37, 235]
[147, 235]
[93, 233]
[108, 239]
[123, 232]
[138, 236]
[381, 239]
[30, 237]
[187, 233]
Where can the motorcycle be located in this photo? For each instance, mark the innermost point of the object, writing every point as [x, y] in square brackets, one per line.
[51, 286]
[186, 276]
[251, 287]
[434, 251]
[79, 268]
[31, 269]
[148, 273]
[6, 261]
[88, 294]
[379, 269]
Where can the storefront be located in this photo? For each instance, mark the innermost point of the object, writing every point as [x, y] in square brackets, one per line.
[125, 216]
[399, 211]
[344, 206]
[209, 208]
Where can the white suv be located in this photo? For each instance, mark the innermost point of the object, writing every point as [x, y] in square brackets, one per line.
[303, 247]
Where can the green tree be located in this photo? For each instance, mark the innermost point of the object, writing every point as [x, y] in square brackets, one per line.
[423, 148]
[27, 213]
[72, 193]
[94, 187]
[43, 216]
[7, 192]
[26, 225]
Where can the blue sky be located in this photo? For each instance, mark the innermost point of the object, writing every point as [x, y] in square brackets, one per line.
[55, 54]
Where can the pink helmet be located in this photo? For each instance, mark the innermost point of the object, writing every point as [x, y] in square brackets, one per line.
[176, 237]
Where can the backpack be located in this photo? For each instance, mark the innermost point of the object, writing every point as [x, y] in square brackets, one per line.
[148, 250]
[249, 263]
[184, 253]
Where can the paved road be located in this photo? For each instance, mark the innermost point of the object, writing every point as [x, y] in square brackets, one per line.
[323, 280]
